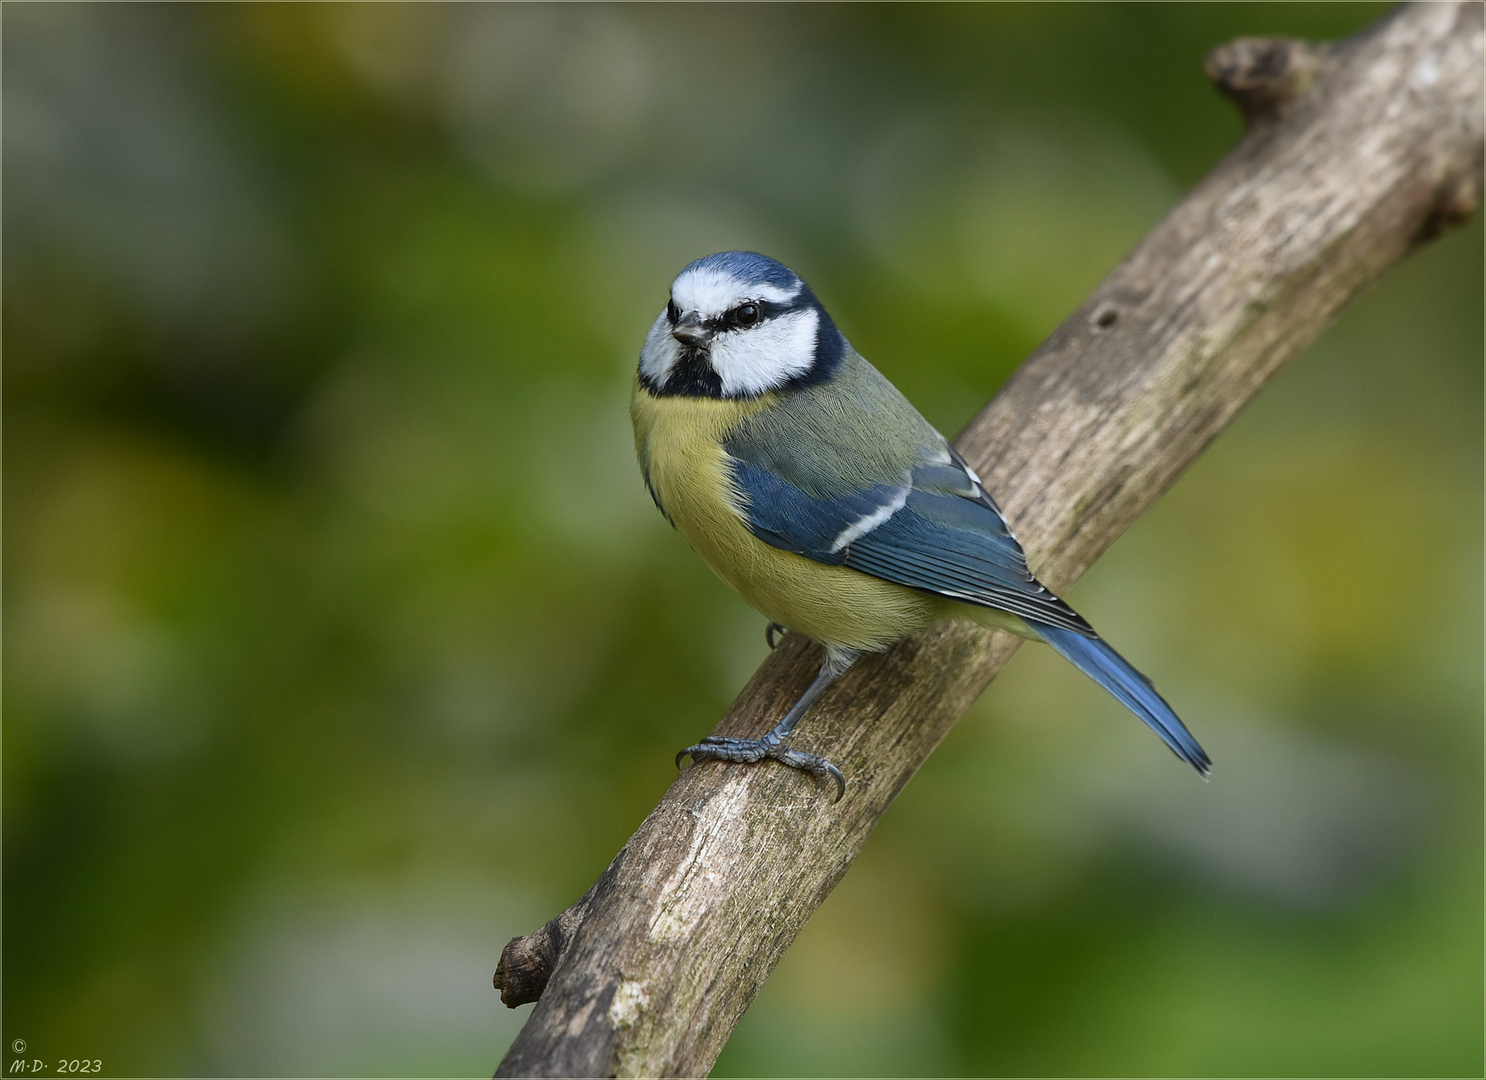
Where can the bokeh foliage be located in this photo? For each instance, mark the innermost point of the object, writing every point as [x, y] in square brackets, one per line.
[342, 642]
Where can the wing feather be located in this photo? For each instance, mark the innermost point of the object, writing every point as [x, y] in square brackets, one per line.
[933, 528]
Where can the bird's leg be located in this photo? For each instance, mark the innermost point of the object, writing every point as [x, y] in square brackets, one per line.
[771, 630]
[749, 751]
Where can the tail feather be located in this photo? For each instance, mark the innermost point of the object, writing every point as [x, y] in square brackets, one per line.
[1094, 657]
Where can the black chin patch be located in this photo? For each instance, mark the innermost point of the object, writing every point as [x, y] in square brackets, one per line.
[690, 376]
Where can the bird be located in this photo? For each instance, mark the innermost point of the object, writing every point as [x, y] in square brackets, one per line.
[815, 489]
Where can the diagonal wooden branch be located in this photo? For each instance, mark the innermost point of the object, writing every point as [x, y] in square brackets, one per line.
[1356, 153]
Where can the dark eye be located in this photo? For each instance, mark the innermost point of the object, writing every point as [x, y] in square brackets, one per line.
[746, 314]
[672, 312]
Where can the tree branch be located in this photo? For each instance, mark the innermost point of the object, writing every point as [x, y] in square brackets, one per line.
[1356, 153]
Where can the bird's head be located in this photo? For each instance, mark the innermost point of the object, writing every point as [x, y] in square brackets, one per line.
[738, 325]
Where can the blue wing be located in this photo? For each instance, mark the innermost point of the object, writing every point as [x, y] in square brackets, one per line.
[934, 528]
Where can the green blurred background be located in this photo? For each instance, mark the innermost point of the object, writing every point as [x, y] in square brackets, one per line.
[343, 643]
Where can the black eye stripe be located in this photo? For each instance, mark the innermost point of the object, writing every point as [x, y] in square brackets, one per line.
[732, 318]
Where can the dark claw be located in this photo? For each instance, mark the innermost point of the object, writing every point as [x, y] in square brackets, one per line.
[772, 629]
[751, 751]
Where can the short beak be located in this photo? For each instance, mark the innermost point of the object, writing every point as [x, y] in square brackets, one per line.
[690, 331]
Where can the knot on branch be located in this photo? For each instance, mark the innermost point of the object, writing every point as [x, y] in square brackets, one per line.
[526, 964]
[1457, 200]
[1262, 75]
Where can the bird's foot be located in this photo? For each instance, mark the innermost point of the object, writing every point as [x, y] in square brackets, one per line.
[772, 630]
[751, 751]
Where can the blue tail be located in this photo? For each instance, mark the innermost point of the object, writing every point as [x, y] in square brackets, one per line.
[1109, 669]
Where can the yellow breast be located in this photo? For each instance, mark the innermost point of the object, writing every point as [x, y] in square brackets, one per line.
[679, 441]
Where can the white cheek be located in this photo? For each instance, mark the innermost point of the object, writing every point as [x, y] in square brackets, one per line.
[660, 352]
[767, 356]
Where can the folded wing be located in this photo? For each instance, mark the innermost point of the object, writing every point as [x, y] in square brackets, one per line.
[932, 528]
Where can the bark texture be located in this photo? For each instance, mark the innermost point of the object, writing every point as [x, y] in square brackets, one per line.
[1356, 152]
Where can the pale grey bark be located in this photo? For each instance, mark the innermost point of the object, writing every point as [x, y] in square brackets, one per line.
[1355, 153]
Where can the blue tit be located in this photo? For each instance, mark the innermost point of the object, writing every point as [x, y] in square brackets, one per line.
[812, 487]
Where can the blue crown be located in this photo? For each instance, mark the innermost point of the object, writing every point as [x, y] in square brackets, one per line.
[749, 267]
